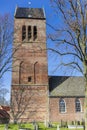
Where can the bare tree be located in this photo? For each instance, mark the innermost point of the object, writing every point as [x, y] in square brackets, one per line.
[3, 93]
[23, 106]
[6, 37]
[19, 103]
[6, 49]
[71, 37]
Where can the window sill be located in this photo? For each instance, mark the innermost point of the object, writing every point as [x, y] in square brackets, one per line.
[63, 112]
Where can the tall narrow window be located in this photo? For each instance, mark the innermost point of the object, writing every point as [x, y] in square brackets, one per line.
[77, 105]
[34, 33]
[20, 71]
[29, 33]
[62, 107]
[23, 33]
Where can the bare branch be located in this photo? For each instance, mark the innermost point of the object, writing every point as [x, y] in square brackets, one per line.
[66, 53]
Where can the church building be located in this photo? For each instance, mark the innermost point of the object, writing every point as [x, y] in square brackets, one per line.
[35, 95]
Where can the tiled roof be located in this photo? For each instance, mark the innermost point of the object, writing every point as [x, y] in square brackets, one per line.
[66, 86]
[37, 13]
[4, 114]
[6, 108]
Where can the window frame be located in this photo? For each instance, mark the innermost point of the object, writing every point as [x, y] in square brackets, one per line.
[78, 104]
[62, 106]
[34, 33]
[29, 32]
[23, 33]
[29, 79]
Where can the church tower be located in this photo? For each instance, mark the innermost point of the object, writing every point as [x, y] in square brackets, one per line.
[29, 91]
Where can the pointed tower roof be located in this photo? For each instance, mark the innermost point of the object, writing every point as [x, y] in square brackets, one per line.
[33, 13]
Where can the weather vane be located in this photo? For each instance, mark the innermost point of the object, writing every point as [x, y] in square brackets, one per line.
[29, 3]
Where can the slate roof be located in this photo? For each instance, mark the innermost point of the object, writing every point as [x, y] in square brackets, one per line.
[66, 86]
[34, 13]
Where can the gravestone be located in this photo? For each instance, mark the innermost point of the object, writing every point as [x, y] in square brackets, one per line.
[58, 127]
[6, 127]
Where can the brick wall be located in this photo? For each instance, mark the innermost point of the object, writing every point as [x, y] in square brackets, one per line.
[33, 53]
[29, 93]
[29, 103]
[69, 115]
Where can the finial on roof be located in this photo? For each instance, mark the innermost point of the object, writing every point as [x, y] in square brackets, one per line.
[15, 10]
[29, 3]
[44, 12]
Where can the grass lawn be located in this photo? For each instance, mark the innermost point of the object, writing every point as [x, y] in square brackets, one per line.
[41, 127]
[1, 127]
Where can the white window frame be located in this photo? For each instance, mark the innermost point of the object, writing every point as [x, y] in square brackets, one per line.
[61, 109]
[79, 105]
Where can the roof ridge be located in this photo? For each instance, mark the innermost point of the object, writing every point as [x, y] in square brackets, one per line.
[65, 76]
[29, 8]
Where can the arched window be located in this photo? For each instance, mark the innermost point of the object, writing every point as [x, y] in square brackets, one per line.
[29, 33]
[23, 32]
[77, 105]
[62, 106]
[34, 33]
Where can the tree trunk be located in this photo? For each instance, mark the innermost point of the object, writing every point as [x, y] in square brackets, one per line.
[85, 105]
[85, 100]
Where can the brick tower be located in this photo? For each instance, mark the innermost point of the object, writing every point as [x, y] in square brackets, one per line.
[29, 91]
